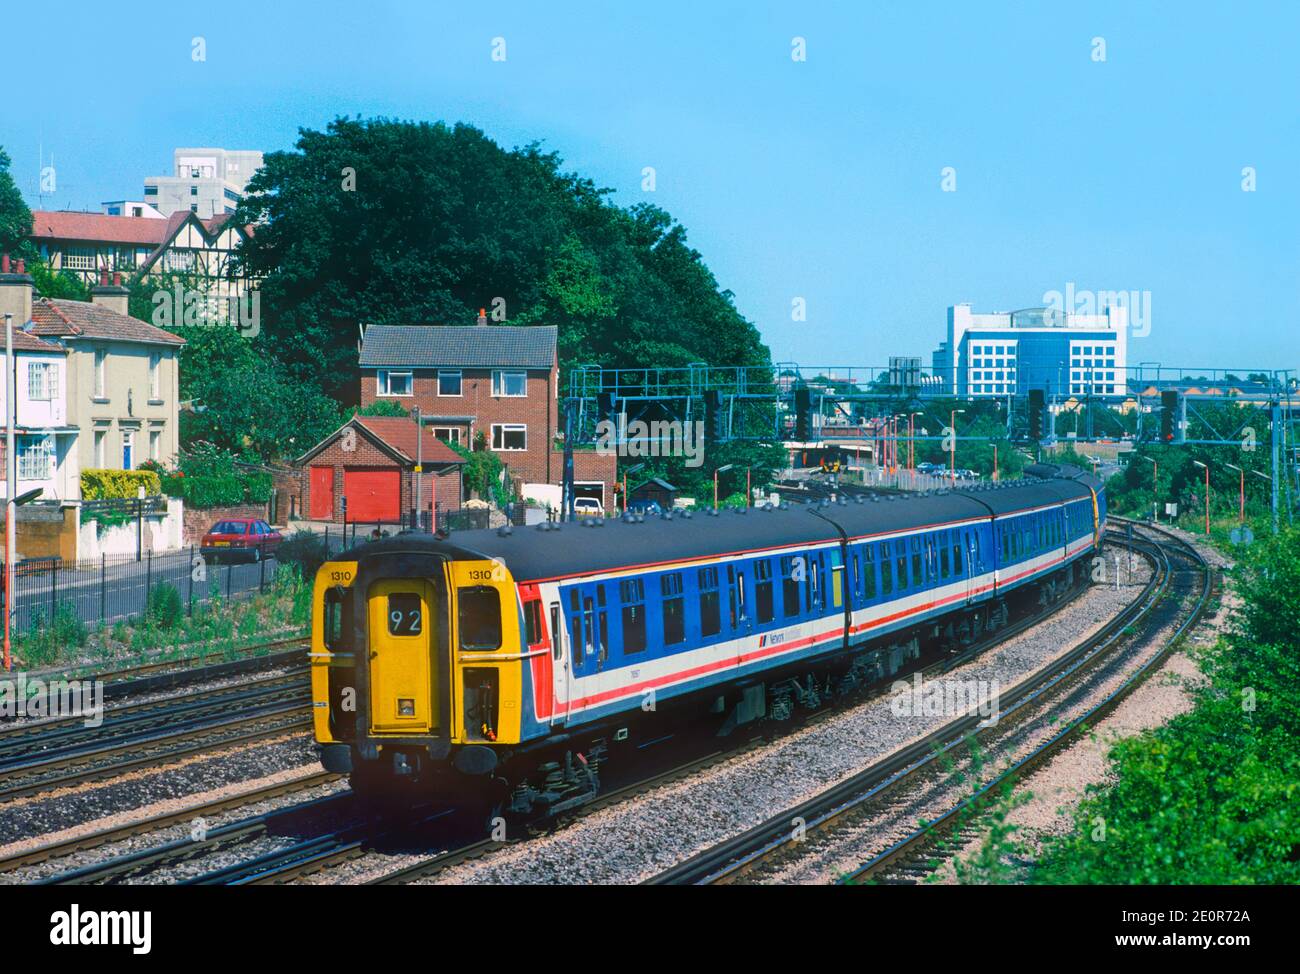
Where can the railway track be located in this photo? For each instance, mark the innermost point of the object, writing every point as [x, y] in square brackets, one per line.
[181, 850]
[97, 761]
[780, 837]
[92, 840]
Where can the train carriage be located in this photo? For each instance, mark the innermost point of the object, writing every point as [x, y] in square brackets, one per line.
[513, 661]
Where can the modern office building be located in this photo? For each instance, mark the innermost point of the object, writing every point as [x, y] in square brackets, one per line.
[206, 182]
[1062, 353]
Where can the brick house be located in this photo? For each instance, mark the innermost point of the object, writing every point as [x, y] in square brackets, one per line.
[498, 380]
[370, 461]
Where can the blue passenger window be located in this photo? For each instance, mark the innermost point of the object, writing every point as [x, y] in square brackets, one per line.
[956, 558]
[764, 606]
[710, 605]
[674, 608]
[886, 575]
[901, 564]
[632, 594]
[917, 574]
[790, 585]
[869, 572]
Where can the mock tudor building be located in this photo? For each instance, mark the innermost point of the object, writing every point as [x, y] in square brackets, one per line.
[370, 461]
[89, 244]
[498, 380]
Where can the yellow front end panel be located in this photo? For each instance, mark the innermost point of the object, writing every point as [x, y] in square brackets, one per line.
[402, 681]
[327, 638]
[477, 660]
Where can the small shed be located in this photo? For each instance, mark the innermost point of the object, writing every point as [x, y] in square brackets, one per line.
[365, 471]
[654, 489]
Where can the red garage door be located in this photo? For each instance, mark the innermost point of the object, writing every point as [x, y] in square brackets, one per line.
[373, 495]
[321, 507]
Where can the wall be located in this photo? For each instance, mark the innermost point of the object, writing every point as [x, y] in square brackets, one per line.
[162, 532]
[45, 532]
[197, 520]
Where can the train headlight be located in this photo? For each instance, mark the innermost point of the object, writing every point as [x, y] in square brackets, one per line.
[405, 706]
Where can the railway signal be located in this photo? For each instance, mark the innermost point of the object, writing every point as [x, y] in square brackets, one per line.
[803, 414]
[1172, 412]
[1037, 410]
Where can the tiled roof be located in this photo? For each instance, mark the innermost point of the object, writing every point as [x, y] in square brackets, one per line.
[61, 318]
[99, 227]
[399, 434]
[459, 346]
[25, 341]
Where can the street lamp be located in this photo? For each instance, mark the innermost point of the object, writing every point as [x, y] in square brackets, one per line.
[1241, 492]
[715, 482]
[1207, 493]
[1155, 486]
[952, 428]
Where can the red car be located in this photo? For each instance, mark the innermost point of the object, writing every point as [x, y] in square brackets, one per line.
[240, 537]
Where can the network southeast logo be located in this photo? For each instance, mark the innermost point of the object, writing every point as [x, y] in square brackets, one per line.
[73, 928]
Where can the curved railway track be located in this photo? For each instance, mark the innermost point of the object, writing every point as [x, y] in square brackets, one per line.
[779, 839]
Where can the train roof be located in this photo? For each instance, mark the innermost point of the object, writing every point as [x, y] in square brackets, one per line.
[535, 554]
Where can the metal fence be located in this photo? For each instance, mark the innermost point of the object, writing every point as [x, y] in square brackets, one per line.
[117, 587]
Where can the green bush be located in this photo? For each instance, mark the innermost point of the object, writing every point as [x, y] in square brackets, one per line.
[105, 484]
[258, 487]
[47, 643]
[164, 607]
[305, 550]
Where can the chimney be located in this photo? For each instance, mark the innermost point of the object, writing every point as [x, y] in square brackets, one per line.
[482, 317]
[113, 296]
[15, 293]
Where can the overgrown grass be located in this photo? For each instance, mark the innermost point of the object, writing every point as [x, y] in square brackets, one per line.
[170, 628]
[1213, 796]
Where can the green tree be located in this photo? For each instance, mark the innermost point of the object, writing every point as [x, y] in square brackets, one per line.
[15, 217]
[392, 222]
[57, 284]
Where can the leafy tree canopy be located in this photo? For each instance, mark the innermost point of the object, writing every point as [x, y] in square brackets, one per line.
[390, 222]
[15, 217]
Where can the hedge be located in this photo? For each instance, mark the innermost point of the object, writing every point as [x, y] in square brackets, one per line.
[206, 491]
[104, 484]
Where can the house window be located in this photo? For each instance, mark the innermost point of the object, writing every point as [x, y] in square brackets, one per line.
[35, 457]
[151, 191]
[79, 258]
[393, 383]
[179, 260]
[155, 444]
[448, 434]
[511, 384]
[99, 449]
[194, 191]
[42, 381]
[155, 379]
[509, 436]
[448, 383]
[100, 355]
[128, 449]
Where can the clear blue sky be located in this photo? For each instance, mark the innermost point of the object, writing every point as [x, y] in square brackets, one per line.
[818, 179]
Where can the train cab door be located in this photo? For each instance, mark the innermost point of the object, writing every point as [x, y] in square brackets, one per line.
[561, 672]
[402, 691]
